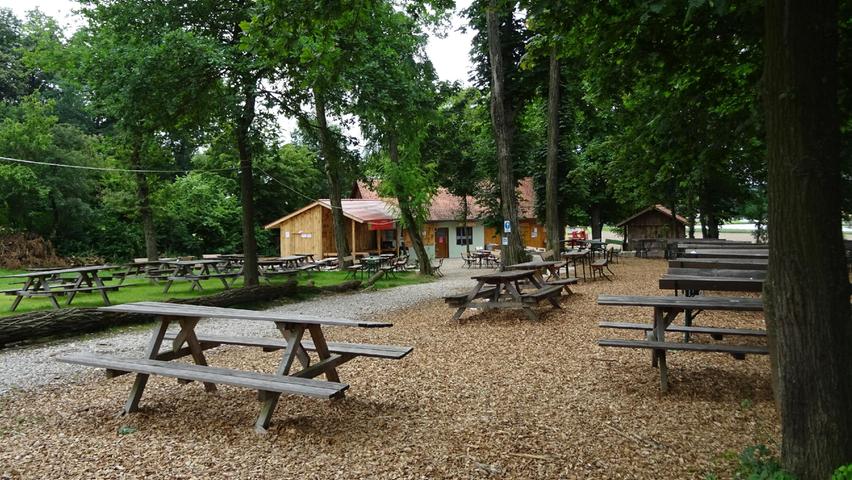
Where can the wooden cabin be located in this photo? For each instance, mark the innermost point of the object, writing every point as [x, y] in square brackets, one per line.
[654, 222]
[371, 228]
[446, 235]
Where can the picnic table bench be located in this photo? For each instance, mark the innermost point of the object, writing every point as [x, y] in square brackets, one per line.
[506, 292]
[270, 386]
[666, 309]
[724, 253]
[52, 284]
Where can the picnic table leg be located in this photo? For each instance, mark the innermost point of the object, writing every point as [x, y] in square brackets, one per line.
[660, 355]
[516, 295]
[27, 284]
[323, 353]
[187, 334]
[45, 285]
[538, 281]
[100, 283]
[472, 295]
[141, 380]
[77, 283]
[293, 334]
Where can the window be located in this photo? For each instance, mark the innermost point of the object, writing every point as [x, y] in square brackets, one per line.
[464, 235]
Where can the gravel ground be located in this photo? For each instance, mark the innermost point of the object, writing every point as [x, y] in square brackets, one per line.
[32, 366]
[493, 396]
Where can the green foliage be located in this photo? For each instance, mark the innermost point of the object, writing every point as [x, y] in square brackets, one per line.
[843, 472]
[757, 463]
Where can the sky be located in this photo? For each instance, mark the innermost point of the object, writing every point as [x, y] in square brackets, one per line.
[449, 54]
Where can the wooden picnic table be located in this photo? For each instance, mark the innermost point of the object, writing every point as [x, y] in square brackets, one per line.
[185, 270]
[540, 266]
[726, 263]
[722, 281]
[186, 342]
[666, 309]
[50, 284]
[505, 291]
[573, 256]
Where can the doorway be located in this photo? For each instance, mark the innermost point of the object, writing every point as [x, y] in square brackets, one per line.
[442, 242]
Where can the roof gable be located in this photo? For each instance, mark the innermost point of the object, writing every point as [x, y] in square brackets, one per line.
[658, 208]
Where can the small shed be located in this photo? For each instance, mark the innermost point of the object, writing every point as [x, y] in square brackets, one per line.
[653, 223]
[371, 227]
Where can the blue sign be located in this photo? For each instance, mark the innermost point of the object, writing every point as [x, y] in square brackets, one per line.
[507, 226]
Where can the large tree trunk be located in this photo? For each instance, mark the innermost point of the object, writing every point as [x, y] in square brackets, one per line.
[143, 196]
[597, 225]
[250, 273]
[712, 226]
[554, 226]
[806, 292]
[332, 171]
[407, 213]
[502, 123]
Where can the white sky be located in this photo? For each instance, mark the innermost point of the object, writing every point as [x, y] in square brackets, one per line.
[449, 55]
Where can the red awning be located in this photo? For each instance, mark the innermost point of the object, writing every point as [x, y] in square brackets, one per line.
[382, 225]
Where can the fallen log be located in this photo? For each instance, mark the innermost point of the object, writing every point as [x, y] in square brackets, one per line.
[75, 321]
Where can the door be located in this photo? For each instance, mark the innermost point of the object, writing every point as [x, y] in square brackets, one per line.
[442, 245]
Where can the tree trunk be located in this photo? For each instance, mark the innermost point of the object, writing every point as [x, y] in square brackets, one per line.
[407, 215]
[332, 173]
[143, 196]
[712, 226]
[806, 292]
[465, 214]
[597, 225]
[501, 121]
[250, 273]
[692, 226]
[554, 226]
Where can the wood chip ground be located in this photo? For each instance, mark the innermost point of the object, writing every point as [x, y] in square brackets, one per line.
[495, 396]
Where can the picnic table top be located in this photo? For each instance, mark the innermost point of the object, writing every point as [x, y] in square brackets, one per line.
[194, 262]
[507, 276]
[143, 263]
[697, 302]
[292, 258]
[48, 273]
[182, 310]
[723, 253]
[534, 264]
[575, 253]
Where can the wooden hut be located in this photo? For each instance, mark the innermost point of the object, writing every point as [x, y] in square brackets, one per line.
[370, 225]
[653, 223]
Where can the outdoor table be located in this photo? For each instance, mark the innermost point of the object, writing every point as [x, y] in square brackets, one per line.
[372, 263]
[185, 270]
[50, 284]
[506, 292]
[539, 266]
[595, 245]
[270, 386]
[666, 309]
[574, 256]
[481, 255]
[693, 283]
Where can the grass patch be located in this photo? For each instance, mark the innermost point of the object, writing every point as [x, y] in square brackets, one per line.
[140, 289]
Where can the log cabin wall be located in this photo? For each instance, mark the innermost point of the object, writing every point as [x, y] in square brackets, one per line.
[303, 233]
[653, 224]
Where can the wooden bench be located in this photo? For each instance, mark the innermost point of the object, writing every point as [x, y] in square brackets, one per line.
[263, 382]
[392, 352]
[544, 293]
[716, 333]
[563, 282]
[737, 351]
[461, 299]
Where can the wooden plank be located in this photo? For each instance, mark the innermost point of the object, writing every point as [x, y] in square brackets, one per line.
[722, 263]
[680, 329]
[215, 375]
[718, 272]
[700, 302]
[717, 253]
[500, 277]
[270, 343]
[726, 284]
[693, 347]
[183, 310]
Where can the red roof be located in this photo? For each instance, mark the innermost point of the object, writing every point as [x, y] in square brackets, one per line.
[448, 207]
[362, 211]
